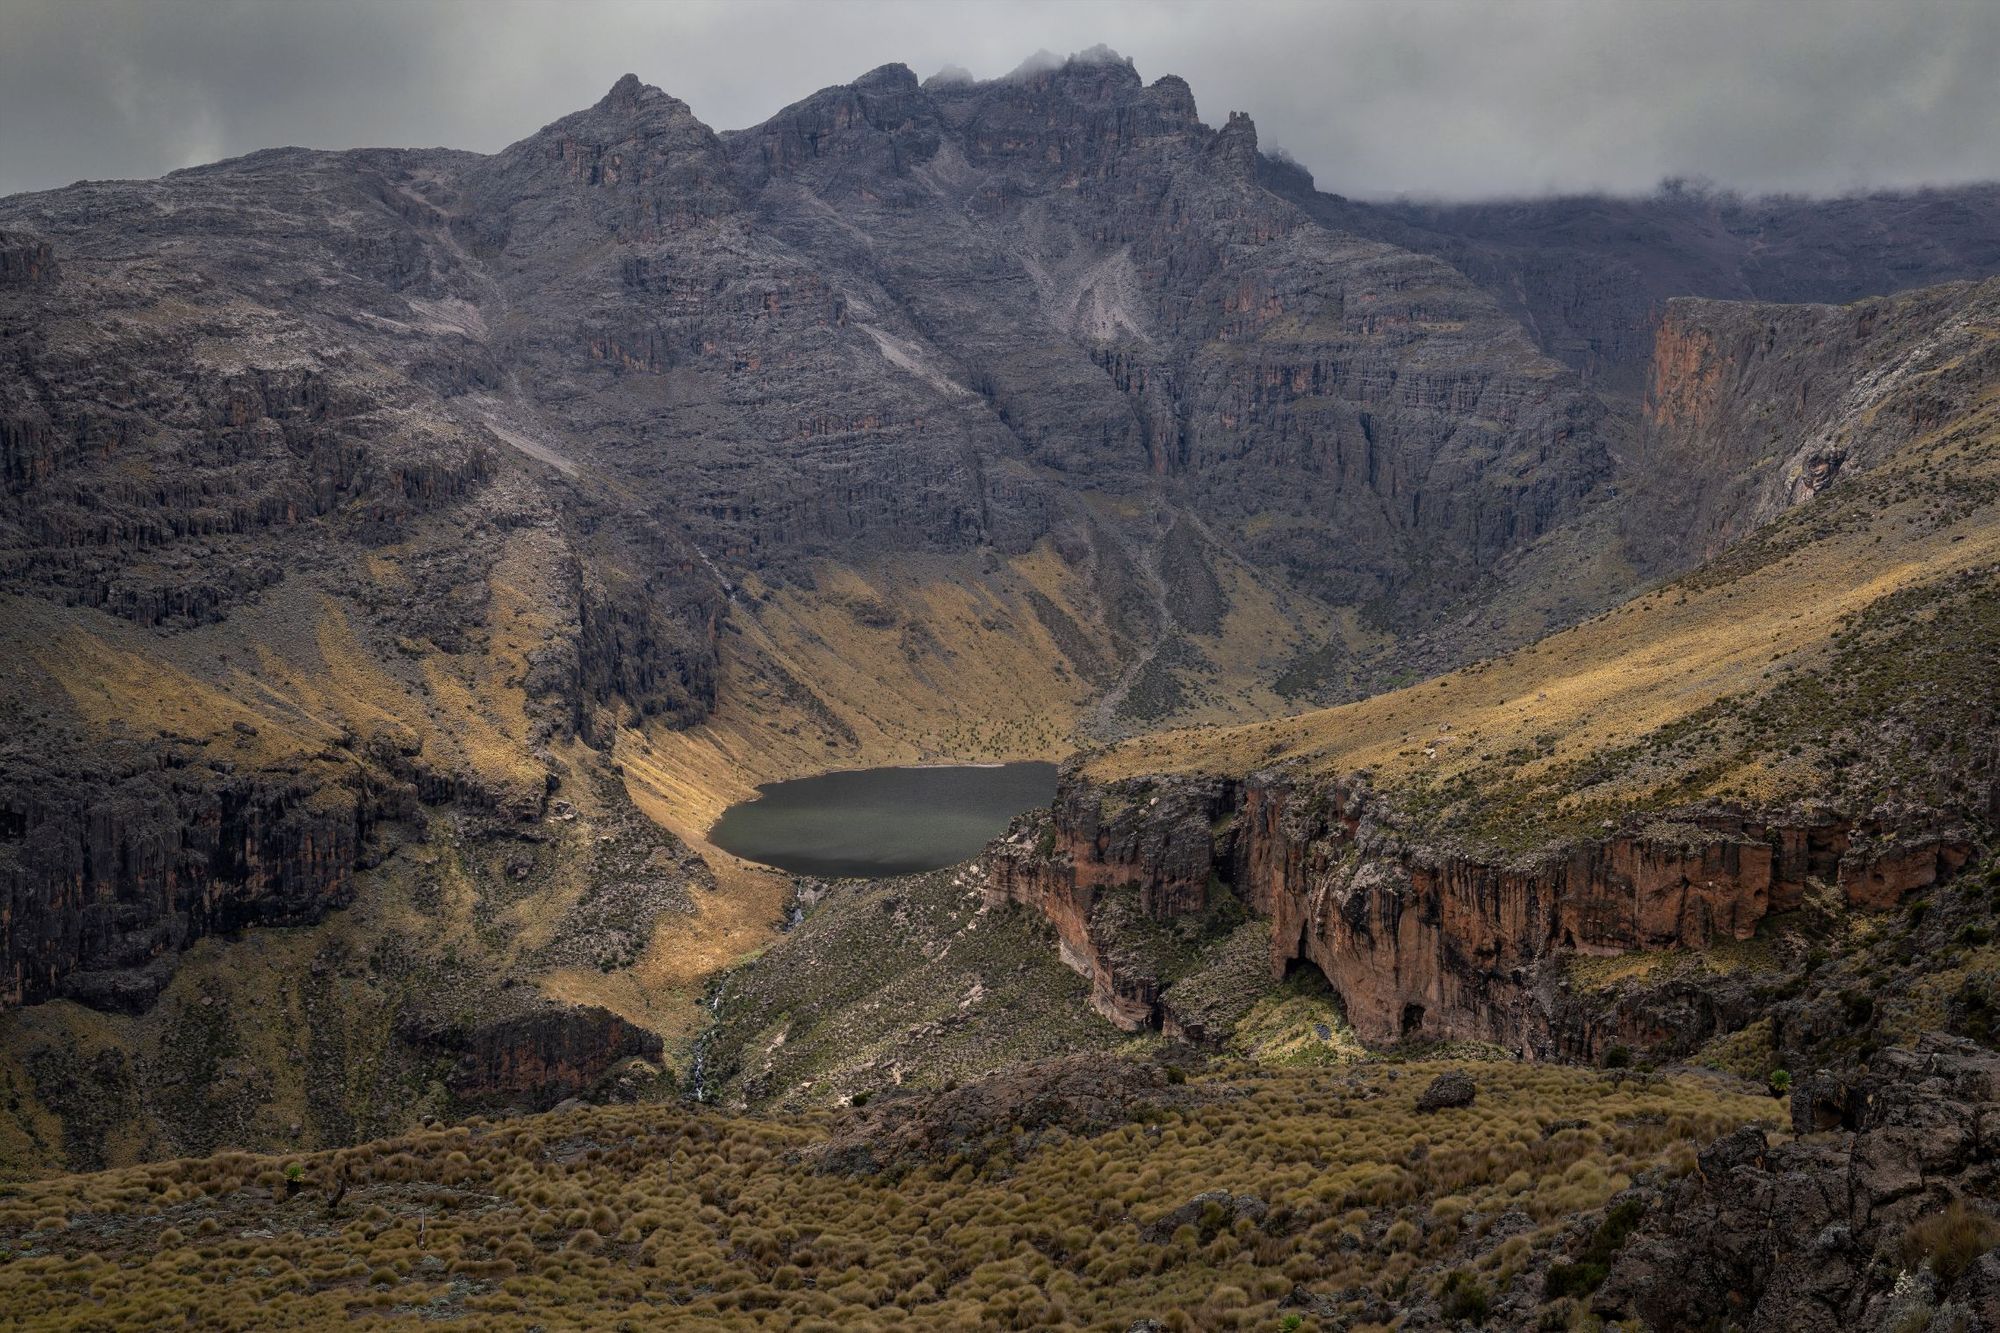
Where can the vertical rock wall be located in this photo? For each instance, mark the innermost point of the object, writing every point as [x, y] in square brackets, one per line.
[1422, 942]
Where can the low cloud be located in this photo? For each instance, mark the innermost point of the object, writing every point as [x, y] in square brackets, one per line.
[1451, 98]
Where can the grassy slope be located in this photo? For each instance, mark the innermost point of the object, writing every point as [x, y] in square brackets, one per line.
[1622, 710]
[907, 665]
[905, 983]
[273, 1019]
[640, 1216]
[927, 661]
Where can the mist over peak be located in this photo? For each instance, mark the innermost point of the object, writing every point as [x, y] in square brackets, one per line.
[1453, 100]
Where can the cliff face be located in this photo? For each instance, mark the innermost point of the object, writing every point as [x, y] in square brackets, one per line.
[109, 874]
[1592, 276]
[537, 1058]
[26, 259]
[1752, 408]
[1420, 942]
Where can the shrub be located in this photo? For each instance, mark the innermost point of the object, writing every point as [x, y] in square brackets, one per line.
[1573, 1279]
[1781, 1082]
[1588, 1272]
[1464, 1297]
[1949, 1241]
[1618, 1057]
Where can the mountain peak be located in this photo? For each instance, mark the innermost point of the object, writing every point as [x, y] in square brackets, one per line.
[625, 94]
[1099, 57]
[893, 76]
[1236, 144]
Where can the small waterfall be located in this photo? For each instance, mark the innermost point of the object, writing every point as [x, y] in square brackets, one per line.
[698, 1068]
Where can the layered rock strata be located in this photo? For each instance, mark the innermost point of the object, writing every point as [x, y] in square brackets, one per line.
[537, 1058]
[1423, 942]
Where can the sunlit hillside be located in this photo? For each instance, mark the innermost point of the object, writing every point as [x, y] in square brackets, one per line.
[1761, 676]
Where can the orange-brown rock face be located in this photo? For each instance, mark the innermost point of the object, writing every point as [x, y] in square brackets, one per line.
[541, 1057]
[1886, 874]
[1686, 375]
[1751, 409]
[1162, 847]
[1427, 943]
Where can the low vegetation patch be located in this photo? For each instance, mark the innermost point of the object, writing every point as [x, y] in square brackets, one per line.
[646, 1215]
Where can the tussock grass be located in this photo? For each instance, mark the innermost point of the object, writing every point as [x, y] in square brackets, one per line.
[1948, 1242]
[644, 1216]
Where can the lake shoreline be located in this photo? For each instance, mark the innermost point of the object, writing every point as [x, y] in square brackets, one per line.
[874, 823]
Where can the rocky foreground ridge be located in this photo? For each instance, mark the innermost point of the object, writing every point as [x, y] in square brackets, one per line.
[1094, 1192]
[1822, 1229]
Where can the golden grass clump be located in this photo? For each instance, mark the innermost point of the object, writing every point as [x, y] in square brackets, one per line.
[652, 1215]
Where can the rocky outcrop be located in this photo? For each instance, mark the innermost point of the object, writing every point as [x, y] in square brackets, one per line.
[1448, 1091]
[1751, 409]
[1076, 1095]
[537, 1058]
[1061, 869]
[25, 260]
[1846, 1227]
[1426, 942]
[108, 873]
[646, 642]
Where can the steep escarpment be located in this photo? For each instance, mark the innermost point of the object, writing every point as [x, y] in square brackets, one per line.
[1751, 409]
[538, 1058]
[1810, 716]
[1205, 342]
[112, 871]
[1591, 276]
[469, 968]
[1429, 943]
[26, 259]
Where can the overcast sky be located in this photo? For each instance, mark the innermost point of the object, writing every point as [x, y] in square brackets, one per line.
[1456, 98]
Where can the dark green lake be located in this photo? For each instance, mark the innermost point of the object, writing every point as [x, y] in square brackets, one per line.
[873, 822]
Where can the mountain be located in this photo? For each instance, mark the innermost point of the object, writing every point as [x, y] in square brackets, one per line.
[382, 526]
[1525, 671]
[1809, 715]
[1590, 276]
[406, 554]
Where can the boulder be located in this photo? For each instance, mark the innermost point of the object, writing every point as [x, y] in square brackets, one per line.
[1447, 1091]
